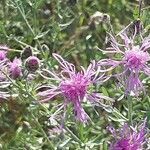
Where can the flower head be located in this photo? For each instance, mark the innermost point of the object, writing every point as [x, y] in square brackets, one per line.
[72, 85]
[134, 59]
[15, 68]
[32, 63]
[129, 138]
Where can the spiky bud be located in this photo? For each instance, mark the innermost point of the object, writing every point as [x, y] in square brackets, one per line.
[32, 63]
[27, 52]
[98, 18]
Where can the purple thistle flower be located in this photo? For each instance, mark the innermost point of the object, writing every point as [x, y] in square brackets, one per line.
[133, 61]
[15, 68]
[73, 86]
[129, 138]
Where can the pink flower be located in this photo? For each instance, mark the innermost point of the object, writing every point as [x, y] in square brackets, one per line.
[15, 68]
[134, 60]
[129, 138]
[73, 86]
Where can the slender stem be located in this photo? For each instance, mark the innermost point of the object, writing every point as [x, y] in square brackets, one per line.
[130, 109]
[28, 25]
[73, 135]
[43, 132]
[140, 7]
[37, 123]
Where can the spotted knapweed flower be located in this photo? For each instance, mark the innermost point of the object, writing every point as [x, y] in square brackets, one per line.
[73, 86]
[129, 138]
[133, 61]
[15, 68]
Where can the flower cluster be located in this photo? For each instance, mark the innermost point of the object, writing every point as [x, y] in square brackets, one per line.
[13, 69]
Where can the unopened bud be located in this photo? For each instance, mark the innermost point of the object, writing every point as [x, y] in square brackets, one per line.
[27, 52]
[32, 63]
[98, 18]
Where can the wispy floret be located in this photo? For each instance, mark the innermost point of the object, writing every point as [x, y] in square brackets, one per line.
[133, 61]
[129, 138]
[72, 85]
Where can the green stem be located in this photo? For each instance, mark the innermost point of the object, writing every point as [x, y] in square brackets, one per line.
[43, 132]
[37, 123]
[73, 135]
[28, 25]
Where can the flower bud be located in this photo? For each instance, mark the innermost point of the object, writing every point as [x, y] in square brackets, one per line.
[27, 52]
[98, 18]
[15, 68]
[32, 63]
